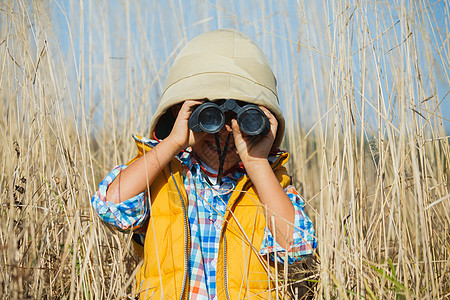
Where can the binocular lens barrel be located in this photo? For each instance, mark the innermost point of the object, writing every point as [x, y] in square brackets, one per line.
[252, 121]
[211, 119]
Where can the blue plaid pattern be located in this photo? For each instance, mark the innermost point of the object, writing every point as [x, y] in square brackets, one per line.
[125, 216]
[304, 237]
[206, 209]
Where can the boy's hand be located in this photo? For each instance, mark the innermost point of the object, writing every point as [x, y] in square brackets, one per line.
[181, 135]
[253, 152]
[255, 149]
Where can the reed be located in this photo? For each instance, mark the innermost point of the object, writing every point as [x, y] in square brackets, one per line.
[362, 85]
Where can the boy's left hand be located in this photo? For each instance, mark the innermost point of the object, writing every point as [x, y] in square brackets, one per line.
[254, 149]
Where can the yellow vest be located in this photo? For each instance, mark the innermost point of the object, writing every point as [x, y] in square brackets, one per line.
[241, 271]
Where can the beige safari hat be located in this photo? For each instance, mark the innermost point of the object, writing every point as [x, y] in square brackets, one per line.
[220, 64]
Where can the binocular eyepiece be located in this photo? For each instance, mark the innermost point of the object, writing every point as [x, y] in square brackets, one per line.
[210, 118]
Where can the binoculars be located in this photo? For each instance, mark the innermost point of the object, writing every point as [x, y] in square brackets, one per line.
[210, 117]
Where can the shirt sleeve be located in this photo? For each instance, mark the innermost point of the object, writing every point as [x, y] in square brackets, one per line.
[304, 239]
[128, 215]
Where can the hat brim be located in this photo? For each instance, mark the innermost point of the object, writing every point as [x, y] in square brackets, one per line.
[213, 86]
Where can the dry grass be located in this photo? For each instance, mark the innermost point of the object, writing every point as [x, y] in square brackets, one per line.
[366, 79]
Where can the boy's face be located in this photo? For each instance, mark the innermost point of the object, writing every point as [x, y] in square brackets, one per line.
[206, 150]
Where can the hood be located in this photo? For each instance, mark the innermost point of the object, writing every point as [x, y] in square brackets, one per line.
[220, 64]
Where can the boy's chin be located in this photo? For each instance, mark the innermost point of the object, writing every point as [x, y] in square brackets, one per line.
[214, 163]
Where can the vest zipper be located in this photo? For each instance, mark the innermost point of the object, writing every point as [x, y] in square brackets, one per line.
[225, 272]
[186, 242]
[186, 250]
[186, 238]
[225, 266]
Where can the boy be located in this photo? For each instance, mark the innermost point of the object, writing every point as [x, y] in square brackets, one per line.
[209, 208]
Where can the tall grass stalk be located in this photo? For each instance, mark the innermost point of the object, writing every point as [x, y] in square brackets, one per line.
[362, 85]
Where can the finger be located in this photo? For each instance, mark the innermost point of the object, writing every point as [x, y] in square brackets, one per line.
[187, 107]
[241, 138]
[269, 115]
[272, 119]
[188, 104]
[235, 128]
[193, 102]
[237, 132]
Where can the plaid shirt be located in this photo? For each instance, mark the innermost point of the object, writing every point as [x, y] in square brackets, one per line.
[206, 208]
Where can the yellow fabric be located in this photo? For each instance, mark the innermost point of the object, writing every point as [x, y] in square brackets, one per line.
[161, 275]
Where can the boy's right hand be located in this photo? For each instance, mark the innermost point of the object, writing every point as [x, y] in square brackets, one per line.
[130, 181]
[181, 135]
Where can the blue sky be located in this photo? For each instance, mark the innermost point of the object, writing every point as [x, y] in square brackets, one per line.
[132, 44]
